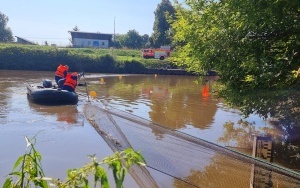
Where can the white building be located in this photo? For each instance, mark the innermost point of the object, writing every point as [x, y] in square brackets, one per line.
[90, 40]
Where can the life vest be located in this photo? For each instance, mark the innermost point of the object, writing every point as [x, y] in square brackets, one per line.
[71, 80]
[61, 69]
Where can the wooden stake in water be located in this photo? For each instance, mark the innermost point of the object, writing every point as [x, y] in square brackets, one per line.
[262, 149]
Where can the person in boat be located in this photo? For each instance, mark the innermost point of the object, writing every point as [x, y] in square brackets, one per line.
[63, 80]
[60, 83]
[70, 82]
[61, 72]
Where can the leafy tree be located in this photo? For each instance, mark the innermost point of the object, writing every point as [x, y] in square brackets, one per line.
[116, 43]
[252, 44]
[161, 28]
[132, 40]
[145, 39]
[5, 32]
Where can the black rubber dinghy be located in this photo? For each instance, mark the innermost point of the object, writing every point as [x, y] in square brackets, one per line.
[50, 95]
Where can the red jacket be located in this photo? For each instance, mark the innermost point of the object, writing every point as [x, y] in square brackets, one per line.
[71, 80]
[61, 71]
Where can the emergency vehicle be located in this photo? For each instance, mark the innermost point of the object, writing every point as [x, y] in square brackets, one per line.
[158, 53]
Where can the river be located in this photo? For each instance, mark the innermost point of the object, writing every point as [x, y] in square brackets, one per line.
[65, 137]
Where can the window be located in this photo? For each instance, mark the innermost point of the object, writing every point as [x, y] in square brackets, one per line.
[95, 43]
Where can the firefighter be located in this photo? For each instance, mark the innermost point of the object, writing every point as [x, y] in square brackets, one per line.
[62, 81]
[71, 82]
[61, 72]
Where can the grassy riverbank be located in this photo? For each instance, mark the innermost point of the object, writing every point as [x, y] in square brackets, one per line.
[46, 58]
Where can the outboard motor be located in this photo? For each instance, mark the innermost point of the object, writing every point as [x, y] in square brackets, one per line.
[47, 83]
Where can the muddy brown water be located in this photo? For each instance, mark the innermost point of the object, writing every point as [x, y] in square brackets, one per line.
[65, 137]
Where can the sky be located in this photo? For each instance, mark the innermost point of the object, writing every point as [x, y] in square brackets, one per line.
[50, 20]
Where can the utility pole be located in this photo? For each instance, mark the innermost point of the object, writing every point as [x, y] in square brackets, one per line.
[114, 28]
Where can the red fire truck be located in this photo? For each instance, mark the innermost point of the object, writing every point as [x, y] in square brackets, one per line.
[158, 53]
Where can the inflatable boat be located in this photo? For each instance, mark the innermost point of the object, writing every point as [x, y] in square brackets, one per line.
[50, 95]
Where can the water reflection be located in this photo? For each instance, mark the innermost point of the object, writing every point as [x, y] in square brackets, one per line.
[3, 103]
[66, 113]
[186, 104]
[191, 162]
[10, 97]
[169, 101]
[281, 110]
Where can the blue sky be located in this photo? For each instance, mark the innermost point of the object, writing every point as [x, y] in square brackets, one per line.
[50, 20]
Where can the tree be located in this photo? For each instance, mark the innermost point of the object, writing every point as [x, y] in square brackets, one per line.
[145, 39]
[161, 28]
[252, 44]
[132, 40]
[5, 32]
[116, 43]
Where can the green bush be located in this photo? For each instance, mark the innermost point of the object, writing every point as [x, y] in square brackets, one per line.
[28, 172]
[47, 58]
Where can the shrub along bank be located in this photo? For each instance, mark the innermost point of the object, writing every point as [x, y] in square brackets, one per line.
[47, 58]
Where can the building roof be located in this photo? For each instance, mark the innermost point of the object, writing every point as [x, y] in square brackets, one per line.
[89, 35]
[22, 40]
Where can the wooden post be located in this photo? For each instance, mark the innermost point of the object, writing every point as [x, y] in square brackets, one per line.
[262, 149]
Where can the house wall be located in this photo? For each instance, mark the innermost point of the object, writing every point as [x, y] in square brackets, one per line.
[82, 43]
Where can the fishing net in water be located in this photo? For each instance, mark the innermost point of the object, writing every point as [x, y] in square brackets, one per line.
[189, 161]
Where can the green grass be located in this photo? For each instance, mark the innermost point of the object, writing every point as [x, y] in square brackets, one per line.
[46, 58]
